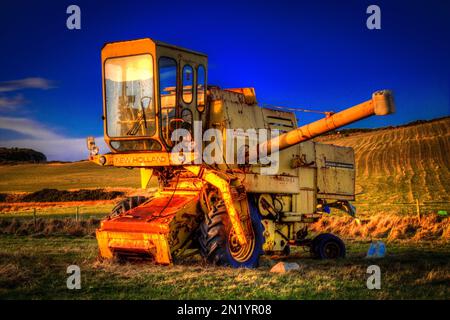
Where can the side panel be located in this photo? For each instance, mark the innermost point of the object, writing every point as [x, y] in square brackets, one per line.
[305, 201]
[256, 183]
[335, 172]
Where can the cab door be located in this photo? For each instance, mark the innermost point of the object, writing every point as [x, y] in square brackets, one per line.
[188, 95]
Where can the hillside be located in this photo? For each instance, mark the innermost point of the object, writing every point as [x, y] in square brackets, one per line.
[20, 155]
[397, 165]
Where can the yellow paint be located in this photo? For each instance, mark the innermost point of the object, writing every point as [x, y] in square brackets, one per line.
[224, 188]
[102, 240]
[152, 243]
[141, 159]
[146, 175]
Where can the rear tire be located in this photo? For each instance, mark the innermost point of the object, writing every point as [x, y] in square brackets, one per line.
[327, 246]
[218, 244]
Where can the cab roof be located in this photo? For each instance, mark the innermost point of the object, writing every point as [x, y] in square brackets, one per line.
[161, 44]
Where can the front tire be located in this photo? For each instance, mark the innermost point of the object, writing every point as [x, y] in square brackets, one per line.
[219, 246]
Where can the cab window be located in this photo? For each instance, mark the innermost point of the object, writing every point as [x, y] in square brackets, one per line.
[201, 90]
[168, 96]
[188, 80]
[130, 107]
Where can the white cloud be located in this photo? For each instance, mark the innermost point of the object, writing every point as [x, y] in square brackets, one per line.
[27, 127]
[38, 136]
[43, 139]
[26, 83]
[10, 103]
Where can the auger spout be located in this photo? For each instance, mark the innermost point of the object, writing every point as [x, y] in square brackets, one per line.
[382, 103]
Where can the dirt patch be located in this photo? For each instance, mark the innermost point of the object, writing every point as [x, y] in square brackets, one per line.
[390, 227]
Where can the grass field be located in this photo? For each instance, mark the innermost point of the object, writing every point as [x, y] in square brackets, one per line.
[65, 176]
[35, 268]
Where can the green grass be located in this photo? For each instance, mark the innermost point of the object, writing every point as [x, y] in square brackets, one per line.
[34, 177]
[35, 268]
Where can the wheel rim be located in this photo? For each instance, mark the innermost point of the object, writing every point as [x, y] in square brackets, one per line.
[241, 253]
[331, 250]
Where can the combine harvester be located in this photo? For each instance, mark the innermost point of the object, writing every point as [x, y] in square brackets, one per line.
[232, 213]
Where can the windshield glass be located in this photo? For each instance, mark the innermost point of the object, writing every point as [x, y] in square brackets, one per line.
[130, 105]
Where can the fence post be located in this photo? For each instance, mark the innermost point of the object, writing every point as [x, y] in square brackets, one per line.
[76, 215]
[418, 209]
[34, 218]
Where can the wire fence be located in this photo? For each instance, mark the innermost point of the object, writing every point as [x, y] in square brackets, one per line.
[77, 213]
[420, 208]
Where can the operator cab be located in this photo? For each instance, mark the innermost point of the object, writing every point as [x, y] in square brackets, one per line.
[150, 89]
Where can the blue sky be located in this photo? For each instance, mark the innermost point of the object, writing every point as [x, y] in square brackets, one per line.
[309, 54]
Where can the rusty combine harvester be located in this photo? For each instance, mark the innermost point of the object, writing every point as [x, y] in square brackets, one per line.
[231, 213]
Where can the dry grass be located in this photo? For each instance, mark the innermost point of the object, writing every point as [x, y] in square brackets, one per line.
[382, 226]
[435, 276]
[386, 226]
[49, 227]
[12, 275]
